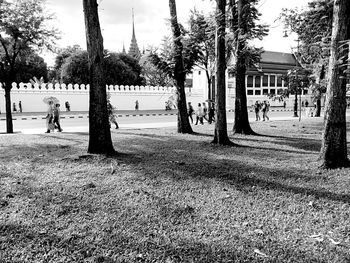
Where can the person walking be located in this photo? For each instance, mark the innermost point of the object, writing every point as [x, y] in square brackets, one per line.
[49, 118]
[20, 106]
[205, 111]
[14, 107]
[190, 112]
[136, 105]
[56, 117]
[199, 114]
[67, 105]
[112, 115]
[257, 107]
[265, 110]
[211, 113]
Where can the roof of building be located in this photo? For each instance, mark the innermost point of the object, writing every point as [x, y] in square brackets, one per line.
[274, 63]
[278, 58]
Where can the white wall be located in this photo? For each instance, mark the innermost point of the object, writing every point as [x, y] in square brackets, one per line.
[122, 97]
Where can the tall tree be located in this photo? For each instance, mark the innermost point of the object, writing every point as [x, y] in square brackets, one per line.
[334, 145]
[220, 132]
[183, 123]
[202, 38]
[100, 141]
[244, 16]
[313, 25]
[23, 26]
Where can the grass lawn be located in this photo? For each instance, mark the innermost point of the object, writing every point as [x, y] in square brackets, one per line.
[168, 197]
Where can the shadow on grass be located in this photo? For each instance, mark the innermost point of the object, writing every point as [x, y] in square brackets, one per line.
[28, 243]
[304, 144]
[238, 173]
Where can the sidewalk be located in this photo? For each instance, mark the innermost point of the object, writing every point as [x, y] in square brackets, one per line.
[85, 114]
[121, 113]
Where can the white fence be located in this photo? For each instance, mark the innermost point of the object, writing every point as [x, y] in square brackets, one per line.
[122, 97]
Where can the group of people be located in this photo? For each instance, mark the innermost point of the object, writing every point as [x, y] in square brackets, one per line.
[264, 107]
[53, 117]
[14, 107]
[202, 113]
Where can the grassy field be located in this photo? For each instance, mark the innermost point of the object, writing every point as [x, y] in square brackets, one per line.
[169, 198]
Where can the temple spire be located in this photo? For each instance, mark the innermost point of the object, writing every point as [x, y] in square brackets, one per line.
[134, 50]
[124, 52]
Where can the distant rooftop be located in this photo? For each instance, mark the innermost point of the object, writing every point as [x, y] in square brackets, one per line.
[277, 57]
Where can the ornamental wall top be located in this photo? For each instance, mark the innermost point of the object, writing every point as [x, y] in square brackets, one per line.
[85, 87]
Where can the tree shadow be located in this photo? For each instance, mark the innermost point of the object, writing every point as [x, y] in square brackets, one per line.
[238, 173]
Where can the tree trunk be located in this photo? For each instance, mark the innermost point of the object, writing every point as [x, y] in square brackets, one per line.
[295, 104]
[183, 123]
[241, 124]
[9, 123]
[100, 140]
[334, 145]
[209, 85]
[220, 133]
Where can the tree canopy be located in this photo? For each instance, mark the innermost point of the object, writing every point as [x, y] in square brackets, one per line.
[120, 69]
[23, 27]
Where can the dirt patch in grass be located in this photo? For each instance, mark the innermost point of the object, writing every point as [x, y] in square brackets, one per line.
[168, 197]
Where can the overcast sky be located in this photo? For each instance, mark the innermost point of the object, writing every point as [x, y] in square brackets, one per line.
[150, 21]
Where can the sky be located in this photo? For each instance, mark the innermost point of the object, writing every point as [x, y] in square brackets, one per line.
[151, 25]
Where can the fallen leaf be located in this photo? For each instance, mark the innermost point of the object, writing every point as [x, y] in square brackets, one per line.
[257, 251]
[319, 239]
[334, 242]
[317, 235]
[259, 231]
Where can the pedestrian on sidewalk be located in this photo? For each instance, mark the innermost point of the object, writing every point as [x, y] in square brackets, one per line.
[265, 110]
[211, 113]
[112, 115]
[14, 107]
[67, 105]
[20, 106]
[136, 105]
[199, 114]
[205, 112]
[56, 117]
[257, 107]
[49, 118]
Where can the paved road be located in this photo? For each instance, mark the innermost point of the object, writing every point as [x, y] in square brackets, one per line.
[34, 123]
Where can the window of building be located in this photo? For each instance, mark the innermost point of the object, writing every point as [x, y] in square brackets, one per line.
[265, 81]
[250, 92]
[231, 75]
[265, 91]
[306, 91]
[230, 85]
[257, 92]
[273, 91]
[257, 81]
[279, 81]
[272, 80]
[199, 72]
[250, 81]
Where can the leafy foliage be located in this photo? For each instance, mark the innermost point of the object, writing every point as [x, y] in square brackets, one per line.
[164, 59]
[152, 74]
[23, 27]
[120, 69]
[30, 66]
[313, 27]
[62, 56]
